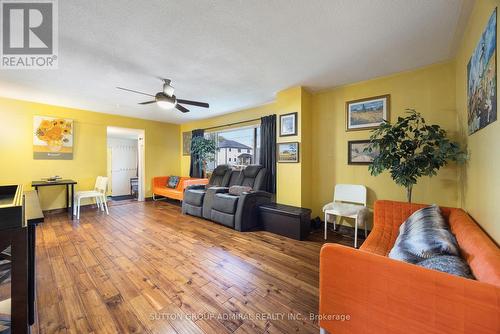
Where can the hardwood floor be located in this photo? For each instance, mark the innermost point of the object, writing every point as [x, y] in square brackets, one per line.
[146, 268]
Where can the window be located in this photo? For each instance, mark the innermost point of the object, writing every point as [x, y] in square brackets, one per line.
[238, 146]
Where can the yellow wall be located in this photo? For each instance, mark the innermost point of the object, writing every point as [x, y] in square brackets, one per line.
[16, 152]
[307, 163]
[430, 90]
[290, 176]
[323, 139]
[481, 176]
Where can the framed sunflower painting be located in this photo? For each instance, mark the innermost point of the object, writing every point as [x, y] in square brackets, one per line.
[52, 138]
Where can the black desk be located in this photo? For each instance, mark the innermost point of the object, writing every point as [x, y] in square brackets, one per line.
[68, 183]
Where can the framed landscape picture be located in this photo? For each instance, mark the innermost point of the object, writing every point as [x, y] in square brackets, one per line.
[367, 113]
[288, 124]
[52, 138]
[356, 154]
[482, 79]
[288, 152]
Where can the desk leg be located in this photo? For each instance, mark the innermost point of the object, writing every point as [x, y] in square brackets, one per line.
[67, 199]
[72, 200]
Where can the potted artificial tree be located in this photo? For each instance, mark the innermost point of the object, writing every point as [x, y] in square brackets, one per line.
[204, 150]
[410, 149]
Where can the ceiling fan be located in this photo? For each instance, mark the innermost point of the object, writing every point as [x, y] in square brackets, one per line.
[166, 99]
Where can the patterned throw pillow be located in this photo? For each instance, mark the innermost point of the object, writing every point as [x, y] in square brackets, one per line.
[173, 181]
[238, 190]
[424, 235]
[449, 264]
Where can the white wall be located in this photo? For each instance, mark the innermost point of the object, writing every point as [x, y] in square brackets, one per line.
[123, 164]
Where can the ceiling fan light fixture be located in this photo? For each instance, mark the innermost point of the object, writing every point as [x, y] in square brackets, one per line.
[165, 101]
[166, 104]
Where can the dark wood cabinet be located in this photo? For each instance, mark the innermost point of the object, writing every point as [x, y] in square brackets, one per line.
[289, 221]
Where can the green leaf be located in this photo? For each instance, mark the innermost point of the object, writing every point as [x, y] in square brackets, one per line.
[410, 149]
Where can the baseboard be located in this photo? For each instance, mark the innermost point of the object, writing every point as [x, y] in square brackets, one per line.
[164, 199]
[342, 229]
[64, 210]
[347, 230]
[122, 197]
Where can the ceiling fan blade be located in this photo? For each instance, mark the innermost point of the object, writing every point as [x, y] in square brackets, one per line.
[135, 91]
[181, 108]
[193, 103]
[148, 102]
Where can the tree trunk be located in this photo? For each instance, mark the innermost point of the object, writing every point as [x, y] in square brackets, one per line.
[204, 169]
[408, 193]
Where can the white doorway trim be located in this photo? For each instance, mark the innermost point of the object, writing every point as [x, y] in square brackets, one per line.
[141, 148]
[139, 135]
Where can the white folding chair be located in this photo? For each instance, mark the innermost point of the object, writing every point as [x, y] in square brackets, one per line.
[99, 194]
[348, 201]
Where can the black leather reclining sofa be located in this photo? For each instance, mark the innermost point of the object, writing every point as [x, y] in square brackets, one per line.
[214, 202]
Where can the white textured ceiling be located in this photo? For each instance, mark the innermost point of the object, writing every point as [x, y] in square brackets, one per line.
[233, 54]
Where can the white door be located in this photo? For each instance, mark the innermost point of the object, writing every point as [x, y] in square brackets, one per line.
[123, 165]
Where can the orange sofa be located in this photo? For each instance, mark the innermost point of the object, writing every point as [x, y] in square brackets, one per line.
[159, 186]
[364, 291]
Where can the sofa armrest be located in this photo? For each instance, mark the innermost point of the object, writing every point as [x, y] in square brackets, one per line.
[255, 194]
[193, 182]
[159, 181]
[218, 190]
[208, 201]
[195, 187]
[247, 215]
[381, 295]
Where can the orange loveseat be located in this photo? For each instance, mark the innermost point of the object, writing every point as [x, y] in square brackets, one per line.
[159, 186]
[381, 295]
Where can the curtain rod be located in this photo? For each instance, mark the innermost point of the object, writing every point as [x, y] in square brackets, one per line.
[231, 124]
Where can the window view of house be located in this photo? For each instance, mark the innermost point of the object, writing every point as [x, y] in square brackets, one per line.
[237, 147]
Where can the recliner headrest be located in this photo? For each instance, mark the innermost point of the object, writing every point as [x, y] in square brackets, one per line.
[220, 170]
[252, 170]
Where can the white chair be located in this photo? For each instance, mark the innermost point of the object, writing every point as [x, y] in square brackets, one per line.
[99, 194]
[349, 200]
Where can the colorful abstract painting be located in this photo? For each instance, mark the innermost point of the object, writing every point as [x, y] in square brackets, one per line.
[52, 138]
[482, 79]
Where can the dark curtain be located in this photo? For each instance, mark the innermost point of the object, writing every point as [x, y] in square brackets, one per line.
[196, 166]
[268, 149]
